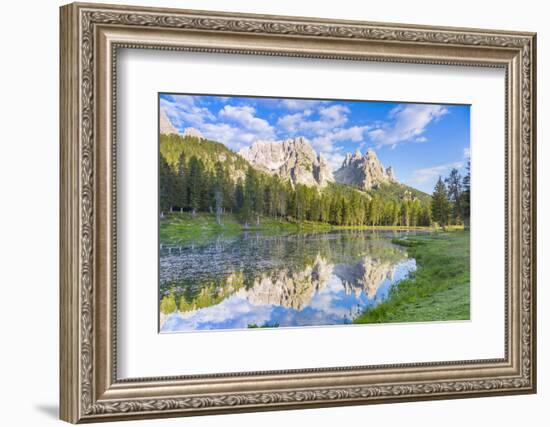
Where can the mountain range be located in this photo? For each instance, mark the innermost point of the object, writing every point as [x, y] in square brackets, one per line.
[365, 172]
[296, 161]
[291, 159]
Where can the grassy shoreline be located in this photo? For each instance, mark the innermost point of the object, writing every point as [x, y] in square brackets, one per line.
[440, 287]
[183, 228]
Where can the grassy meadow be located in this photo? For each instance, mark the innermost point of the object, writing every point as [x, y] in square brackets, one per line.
[184, 228]
[440, 287]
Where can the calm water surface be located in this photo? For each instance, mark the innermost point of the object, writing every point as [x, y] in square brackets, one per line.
[295, 280]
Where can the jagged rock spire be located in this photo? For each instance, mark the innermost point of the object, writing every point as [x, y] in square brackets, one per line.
[293, 159]
[165, 125]
[192, 132]
[365, 172]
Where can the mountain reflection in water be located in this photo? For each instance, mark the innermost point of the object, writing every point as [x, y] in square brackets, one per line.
[296, 280]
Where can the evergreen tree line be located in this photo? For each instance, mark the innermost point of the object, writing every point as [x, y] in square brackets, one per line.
[451, 199]
[190, 185]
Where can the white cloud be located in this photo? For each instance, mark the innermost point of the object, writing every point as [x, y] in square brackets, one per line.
[336, 113]
[234, 137]
[407, 122]
[291, 122]
[233, 312]
[299, 104]
[323, 122]
[237, 127]
[183, 111]
[467, 153]
[326, 142]
[334, 159]
[245, 116]
[421, 176]
[331, 117]
[325, 131]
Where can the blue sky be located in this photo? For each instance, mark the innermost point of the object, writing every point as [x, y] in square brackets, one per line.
[420, 141]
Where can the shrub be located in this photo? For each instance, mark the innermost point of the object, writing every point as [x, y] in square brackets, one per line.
[168, 304]
[184, 305]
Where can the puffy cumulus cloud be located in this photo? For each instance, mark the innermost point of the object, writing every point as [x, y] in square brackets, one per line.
[234, 137]
[294, 123]
[235, 312]
[329, 118]
[234, 126]
[421, 176]
[245, 116]
[300, 104]
[335, 113]
[325, 131]
[184, 111]
[325, 123]
[334, 159]
[406, 123]
[238, 127]
[291, 122]
[326, 142]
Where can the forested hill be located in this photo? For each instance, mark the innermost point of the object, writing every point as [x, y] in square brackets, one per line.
[397, 191]
[175, 147]
[197, 174]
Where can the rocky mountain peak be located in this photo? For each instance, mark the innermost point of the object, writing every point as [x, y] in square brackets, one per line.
[347, 160]
[390, 173]
[166, 126]
[194, 133]
[295, 289]
[293, 159]
[365, 172]
[371, 154]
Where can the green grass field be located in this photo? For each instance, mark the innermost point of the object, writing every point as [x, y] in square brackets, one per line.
[440, 287]
[184, 228]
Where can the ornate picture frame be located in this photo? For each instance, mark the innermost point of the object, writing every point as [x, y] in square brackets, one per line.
[90, 37]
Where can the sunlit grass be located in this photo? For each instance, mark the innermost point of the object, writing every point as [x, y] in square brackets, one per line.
[184, 228]
[168, 304]
[440, 287]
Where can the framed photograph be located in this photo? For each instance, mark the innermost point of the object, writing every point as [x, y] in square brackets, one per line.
[266, 212]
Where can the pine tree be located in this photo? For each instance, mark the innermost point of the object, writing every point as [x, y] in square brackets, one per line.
[376, 210]
[250, 195]
[219, 184]
[454, 190]
[300, 203]
[195, 183]
[258, 199]
[208, 184]
[405, 213]
[181, 183]
[166, 178]
[415, 212]
[440, 203]
[466, 196]
[336, 210]
[239, 195]
[425, 216]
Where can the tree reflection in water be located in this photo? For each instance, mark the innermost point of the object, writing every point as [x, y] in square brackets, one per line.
[296, 280]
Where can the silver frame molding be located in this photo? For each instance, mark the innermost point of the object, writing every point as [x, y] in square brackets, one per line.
[90, 37]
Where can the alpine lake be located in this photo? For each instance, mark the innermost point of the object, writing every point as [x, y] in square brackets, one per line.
[254, 280]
